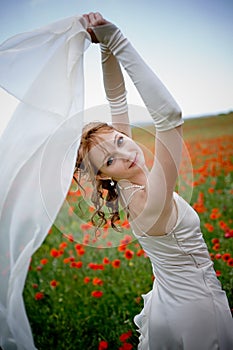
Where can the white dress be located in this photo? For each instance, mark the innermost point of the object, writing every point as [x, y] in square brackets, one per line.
[187, 308]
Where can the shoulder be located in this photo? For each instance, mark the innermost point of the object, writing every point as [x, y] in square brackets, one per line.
[147, 218]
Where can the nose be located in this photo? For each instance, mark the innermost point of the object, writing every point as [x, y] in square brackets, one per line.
[124, 155]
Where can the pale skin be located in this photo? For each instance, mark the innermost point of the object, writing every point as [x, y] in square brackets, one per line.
[152, 209]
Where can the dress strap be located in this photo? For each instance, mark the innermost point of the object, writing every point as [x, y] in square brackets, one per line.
[136, 187]
[133, 193]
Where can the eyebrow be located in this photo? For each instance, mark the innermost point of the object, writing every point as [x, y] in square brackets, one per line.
[115, 138]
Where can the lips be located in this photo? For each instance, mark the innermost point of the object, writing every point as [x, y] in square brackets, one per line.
[133, 162]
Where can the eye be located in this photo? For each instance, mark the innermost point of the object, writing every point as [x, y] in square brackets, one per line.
[120, 141]
[110, 161]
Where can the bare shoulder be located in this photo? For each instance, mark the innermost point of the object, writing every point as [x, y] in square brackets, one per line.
[138, 202]
[148, 219]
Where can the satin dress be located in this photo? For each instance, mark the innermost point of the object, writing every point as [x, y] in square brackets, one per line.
[187, 308]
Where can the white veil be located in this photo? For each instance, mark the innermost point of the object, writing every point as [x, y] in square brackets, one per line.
[43, 69]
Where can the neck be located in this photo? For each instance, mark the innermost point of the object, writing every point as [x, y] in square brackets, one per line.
[139, 181]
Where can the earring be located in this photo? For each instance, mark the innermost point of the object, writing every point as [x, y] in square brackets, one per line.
[112, 182]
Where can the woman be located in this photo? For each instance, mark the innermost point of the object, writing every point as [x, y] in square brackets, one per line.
[186, 308]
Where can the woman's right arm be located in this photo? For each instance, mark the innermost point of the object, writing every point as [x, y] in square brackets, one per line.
[163, 108]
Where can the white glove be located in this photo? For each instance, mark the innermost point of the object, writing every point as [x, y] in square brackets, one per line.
[113, 82]
[159, 102]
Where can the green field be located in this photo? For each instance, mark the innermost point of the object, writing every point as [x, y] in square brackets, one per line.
[83, 291]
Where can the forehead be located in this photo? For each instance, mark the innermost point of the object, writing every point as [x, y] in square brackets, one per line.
[105, 144]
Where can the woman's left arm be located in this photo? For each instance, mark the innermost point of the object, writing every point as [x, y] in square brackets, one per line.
[113, 79]
[115, 90]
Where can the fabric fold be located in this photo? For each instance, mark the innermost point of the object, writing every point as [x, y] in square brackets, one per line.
[43, 69]
[142, 321]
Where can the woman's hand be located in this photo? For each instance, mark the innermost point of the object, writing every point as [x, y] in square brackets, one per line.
[93, 20]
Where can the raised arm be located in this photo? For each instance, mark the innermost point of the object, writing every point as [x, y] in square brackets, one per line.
[115, 90]
[113, 79]
[164, 111]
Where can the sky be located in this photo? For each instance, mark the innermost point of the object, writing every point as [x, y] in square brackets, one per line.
[188, 43]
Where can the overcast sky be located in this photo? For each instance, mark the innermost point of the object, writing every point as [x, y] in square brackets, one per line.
[188, 43]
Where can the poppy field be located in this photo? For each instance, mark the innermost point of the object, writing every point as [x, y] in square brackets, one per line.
[84, 288]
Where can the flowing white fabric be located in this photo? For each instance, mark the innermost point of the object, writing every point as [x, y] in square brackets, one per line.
[44, 70]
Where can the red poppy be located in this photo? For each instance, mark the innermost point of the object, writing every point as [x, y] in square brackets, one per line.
[97, 293]
[140, 252]
[103, 345]
[199, 205]
[44, 261]
[126, 346]
[106, 261]
[218, 256]
[213, 216]
[86, 239]
[86, 226]
[116, 263]
[79, 249]
[127, 239]
[222, 224]
[76, 264]
[129, 254]
[63, 245]
[53, 283]
[86, 279]
[218, 273]
[226, 256]
[230, 262]
[39, 295]
[94, 266]
[70, 237]
[97, 281]
[209, 227]
[67, 260]
[126, 225]
[216, 246]
[122, 247]
[54, 253]
[70, 210]
[227, 235]
[125, 336]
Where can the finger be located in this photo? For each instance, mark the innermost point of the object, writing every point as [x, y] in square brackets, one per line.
[86, 17]
[99, 18]
[92, 19]
[96, 19]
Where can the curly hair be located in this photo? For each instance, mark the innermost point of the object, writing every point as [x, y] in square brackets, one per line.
[91, 136]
